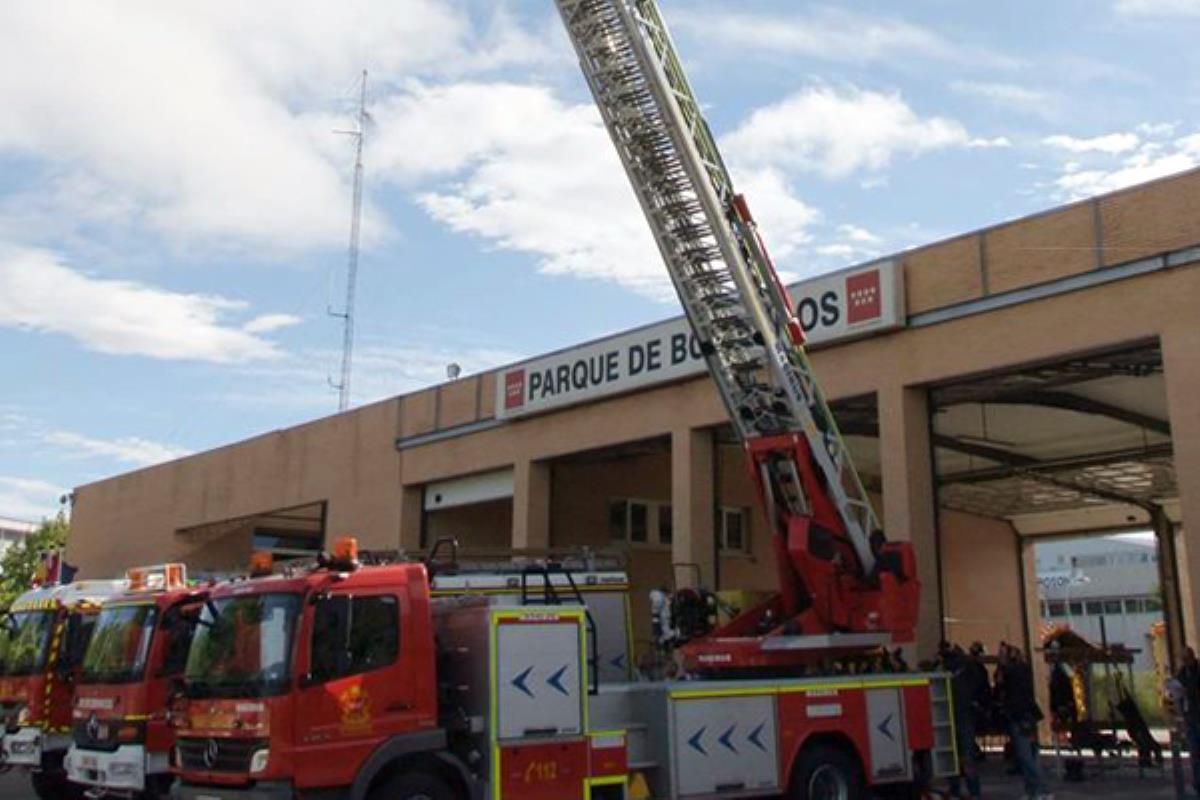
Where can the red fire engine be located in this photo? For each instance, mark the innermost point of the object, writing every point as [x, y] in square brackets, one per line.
[42, 643]
[121, 734]
[343, 680]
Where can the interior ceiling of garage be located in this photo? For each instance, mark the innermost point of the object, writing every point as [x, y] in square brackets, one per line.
[1053, 448]
[1052, 445]
[1065, 447]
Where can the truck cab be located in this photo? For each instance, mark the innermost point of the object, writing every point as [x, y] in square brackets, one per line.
[121, 730]
[43, 639]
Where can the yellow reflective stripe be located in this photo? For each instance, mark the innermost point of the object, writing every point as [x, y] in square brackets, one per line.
[584, 590]
[752, 691]
[606, 733]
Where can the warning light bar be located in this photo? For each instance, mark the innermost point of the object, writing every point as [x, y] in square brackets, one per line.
[262, 562]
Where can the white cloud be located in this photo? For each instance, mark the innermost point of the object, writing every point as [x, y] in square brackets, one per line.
[831, 34]
[1111, 143]
[41, 293]
[267, 323]
[128, 450]
[28, 499]
[837, 133]
[529, 174]
[1098, 171]
[1159, 8]
[206, 121]
[1009, 94]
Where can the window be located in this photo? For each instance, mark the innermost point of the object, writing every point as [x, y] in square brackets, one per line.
[179, 625]
[666, 533]
[1094, 608]
[618, 518]
[639, 524]
[1152, 605]
[1075, 609]
[1112, 606]
[1056, 609]
[733, 530]
[352, 635]
[1133, 607]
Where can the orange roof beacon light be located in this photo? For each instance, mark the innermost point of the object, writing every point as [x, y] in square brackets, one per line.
[262, 562]
[345, 552]
[137, 579]
[156, 578]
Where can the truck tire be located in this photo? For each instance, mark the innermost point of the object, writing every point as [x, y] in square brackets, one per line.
[827, 772]
[414, 786]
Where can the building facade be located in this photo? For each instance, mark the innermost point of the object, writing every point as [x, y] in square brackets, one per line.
[1030, 379]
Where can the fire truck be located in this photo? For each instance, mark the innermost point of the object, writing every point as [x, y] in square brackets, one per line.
[43, 639]
[121, 732]
[349, 681]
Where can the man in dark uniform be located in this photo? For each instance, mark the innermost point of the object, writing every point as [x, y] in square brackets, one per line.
[1189, 680]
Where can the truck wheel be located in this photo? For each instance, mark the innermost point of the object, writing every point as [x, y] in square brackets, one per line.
[414, 786]
[825, 772]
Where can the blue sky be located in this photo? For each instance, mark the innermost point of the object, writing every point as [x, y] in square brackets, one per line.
[174, 203]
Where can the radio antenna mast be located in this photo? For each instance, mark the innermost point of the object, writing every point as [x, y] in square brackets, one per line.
[347, 313]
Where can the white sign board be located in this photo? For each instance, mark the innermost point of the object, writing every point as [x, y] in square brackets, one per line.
[849, 304]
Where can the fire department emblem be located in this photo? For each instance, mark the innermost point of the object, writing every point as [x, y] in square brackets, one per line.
[355, 706]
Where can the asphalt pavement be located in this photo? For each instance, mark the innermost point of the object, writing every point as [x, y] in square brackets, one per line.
[1123, 784]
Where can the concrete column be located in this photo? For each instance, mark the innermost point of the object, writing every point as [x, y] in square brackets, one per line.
[692, 505]
[412, 512]
[1033, 632]
[1181, 363]
[531, 505]
[908, 498]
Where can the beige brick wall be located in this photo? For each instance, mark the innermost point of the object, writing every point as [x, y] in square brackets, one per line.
[943, 274]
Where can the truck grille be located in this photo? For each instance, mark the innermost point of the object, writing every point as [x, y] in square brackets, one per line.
[101, 736]
[218, 755]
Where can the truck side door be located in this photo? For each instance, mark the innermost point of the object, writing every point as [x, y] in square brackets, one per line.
[355, 693]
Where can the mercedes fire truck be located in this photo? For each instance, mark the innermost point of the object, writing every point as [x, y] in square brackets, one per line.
[121, 727]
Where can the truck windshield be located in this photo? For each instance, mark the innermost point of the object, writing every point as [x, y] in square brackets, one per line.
[120, 644]
[24, 641]
[242, 646]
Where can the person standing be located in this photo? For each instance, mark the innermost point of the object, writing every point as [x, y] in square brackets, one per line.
[1189, 681]
[1021, 716]
[967, 693]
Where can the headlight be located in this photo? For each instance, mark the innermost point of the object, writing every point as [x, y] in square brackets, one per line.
[258, 761]
[24, 747]
[130, 732]
[123, 769]
[23, 716]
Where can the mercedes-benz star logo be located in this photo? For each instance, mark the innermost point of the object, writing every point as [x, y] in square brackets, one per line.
[93, 728]
[211, 751]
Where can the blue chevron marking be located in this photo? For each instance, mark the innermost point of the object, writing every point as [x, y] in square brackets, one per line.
[555, 680]
[520, 680]
[695, 744]
[885, 727]
[725, 739]
[755, 737]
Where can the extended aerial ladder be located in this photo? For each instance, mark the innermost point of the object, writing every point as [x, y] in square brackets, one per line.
[843, 587]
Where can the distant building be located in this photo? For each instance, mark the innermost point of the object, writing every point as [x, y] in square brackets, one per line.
[1109, 578]
[13, 531]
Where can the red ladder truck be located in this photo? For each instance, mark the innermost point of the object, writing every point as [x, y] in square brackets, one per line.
[121, 732]
[420, 704]
[43, 639]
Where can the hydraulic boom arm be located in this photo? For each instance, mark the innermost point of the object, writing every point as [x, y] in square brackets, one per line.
[837, 574]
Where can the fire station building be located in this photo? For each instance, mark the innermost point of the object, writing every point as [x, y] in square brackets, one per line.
[1036, 378]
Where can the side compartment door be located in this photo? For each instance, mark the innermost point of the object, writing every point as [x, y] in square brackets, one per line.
[888, 734]
[353, 694]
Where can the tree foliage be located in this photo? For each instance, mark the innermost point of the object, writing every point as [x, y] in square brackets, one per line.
[21, 560]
